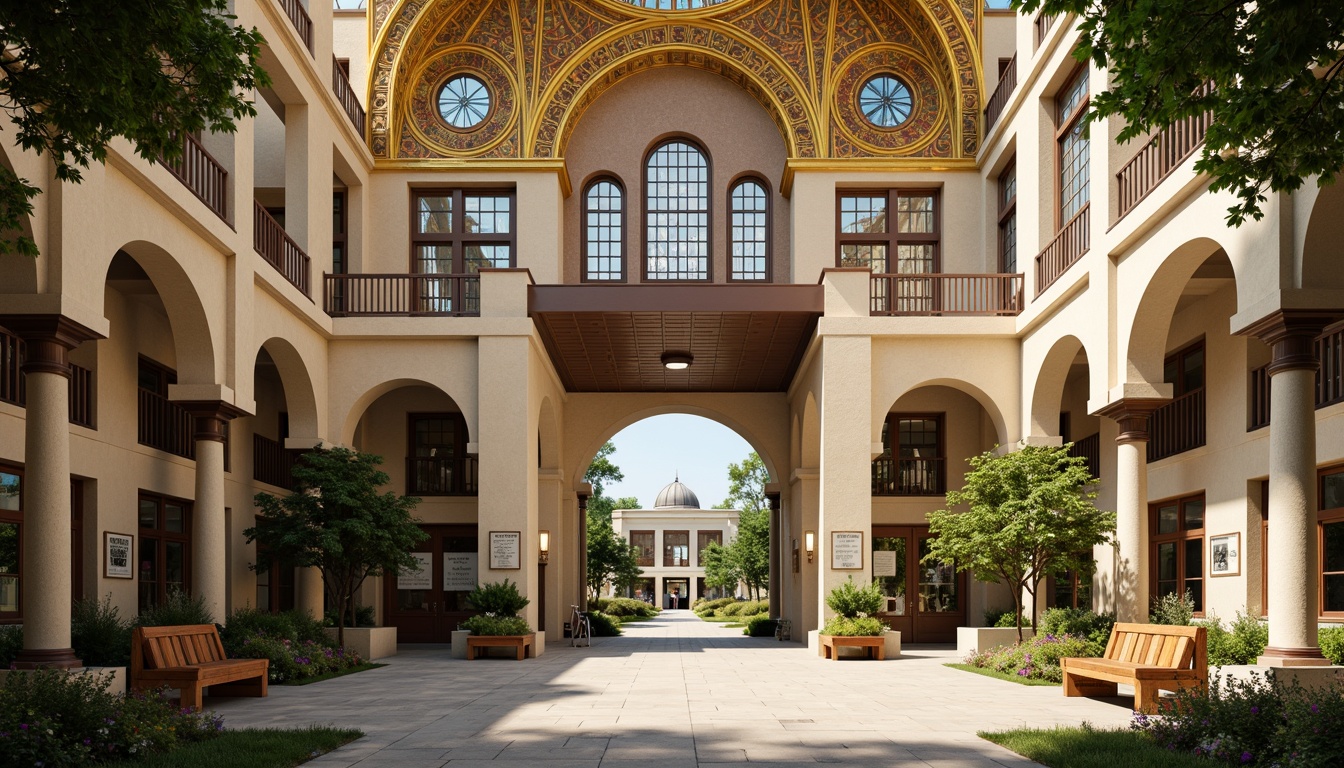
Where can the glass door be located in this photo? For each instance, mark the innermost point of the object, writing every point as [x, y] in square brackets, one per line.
[427, 603]
[925, 603]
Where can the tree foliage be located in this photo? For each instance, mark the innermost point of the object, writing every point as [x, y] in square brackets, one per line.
[611, 559]
[751, 550]
[603, 470]
[79, 73]
[1030, 515]
[1277, 100]
[746, 484]
[721, 571]
[337, 521]
[602, 506]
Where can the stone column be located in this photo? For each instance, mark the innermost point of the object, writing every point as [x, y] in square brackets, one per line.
[1293, 553]
[309, 592]
[772, 499]
[209, 530]
[46, 513]
[846, 459]
[1131, 505]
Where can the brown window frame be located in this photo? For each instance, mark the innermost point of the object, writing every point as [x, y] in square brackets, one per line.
[708, 211]
[1075, 580]
[340, 218]
[769, 266]
[459, 238]
[892, 446]
[702, 540]
[669, 556]
[891, 238]
[459, 452]
[644, 556]
[1324, 517]
[280, 582]
[159, 538]
[15, 517]
[1007, 217]
[1177, 356]
[1064, 125]
[615, 180]
[1179, 537]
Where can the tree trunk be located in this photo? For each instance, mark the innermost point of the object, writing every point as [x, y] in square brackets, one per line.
[1017, 610]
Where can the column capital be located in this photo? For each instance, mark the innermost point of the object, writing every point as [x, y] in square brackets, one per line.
[1131, 413]
[1291, 334]
[772, 495]
[211, 416]
[49, 339]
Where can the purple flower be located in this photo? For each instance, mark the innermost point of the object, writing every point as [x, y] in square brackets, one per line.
[1246, 757]
[1254, 711]
[1315, 709]
[23, 726]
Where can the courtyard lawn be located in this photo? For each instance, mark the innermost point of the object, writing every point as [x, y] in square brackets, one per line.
[1087, 747]
[1000, 675]
[252, 748]
[330, 675]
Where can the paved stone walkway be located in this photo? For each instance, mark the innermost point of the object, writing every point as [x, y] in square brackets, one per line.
[675, 692]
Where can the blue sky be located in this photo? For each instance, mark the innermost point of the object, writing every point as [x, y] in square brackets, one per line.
[651, 452]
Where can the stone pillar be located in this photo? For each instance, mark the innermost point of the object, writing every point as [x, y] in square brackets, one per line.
[46, 514]
[1293, 553]
[309, 592]
[776, 579]
[1131, 505]
[209, 530]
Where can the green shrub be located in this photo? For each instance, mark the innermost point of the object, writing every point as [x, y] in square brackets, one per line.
[1079, 622]
[1001, 619]
[851, 600]
[11, 642]
[98, 634]
[853, 626]
[1242, 643]
[485, 624]
[500, 598]
[754, 608]
[1036, 659]
[179, 609]
[624, 608]
[1331, 640]
[706, 607]
[364, 617]
[1173, 609]
[760, 626]
[293, 661]
[603, 624]
[295, 626]
[731, 609]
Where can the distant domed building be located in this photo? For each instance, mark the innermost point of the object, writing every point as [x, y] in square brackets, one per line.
[663, 536]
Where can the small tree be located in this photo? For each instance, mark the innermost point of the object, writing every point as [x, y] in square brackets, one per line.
[720, 569]
[610, 558]
[338, 522]
[750, 551]
[1030, 515]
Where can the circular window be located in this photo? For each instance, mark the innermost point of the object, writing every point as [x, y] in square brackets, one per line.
[885, 101]
[464, 102]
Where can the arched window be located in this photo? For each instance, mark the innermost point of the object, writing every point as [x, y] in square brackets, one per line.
[748, 234]
[677, 211]
[604, 230]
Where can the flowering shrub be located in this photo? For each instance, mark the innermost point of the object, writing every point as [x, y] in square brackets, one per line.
[53, 719]
[1080, 622]
[1255, 722]
[293, 661]
[1035, 659]
[846, 626]
[1242, 643]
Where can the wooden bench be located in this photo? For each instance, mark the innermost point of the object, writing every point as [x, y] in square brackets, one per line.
[1150, 657]
[873, 647]
[191, 658]
[524, 644]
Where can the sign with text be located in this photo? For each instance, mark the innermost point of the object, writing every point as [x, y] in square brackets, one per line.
[118, 556]
[506, 549]
[884, 563]
[419, 577]
[847, 550]
[459, 571]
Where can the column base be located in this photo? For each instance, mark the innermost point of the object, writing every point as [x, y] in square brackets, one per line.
[1292, 657]
[52, 658]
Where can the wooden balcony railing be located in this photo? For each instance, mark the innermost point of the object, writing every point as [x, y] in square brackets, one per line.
[1044, 22]
[999, 99]
[340, 85]
[410, 295]
[1177, 426]
[272, 463]
[164, 425]
[452, 476]
[279, 249]
[1330, 376]
[946, 294]
[1089, 448]
[303, 24]
[908, 477]
[1067, 247]
[13, 391]
[1158, 158]
[201, 173]
[1259, 399]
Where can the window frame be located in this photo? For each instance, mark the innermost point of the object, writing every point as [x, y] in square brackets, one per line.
[459, 451]
[281, 582]
[159, 537]
[1324, 517]
[1177, 356]
[1007, 217]
[623, 240]
[15, 518]
[1064, 125]
[459, 238]
[708, 211]
[640, 551]
[669, 556]
[1179, 537]
[769, 227]
[893, 446]
[703, 538]
[891, 238]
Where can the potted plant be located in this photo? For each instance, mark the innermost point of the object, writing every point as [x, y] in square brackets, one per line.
[855, 623]
[498, 624]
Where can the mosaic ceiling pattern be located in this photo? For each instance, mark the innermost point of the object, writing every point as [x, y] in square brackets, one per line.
[546, 61]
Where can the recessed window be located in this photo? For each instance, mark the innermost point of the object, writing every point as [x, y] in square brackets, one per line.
[464, 102]
[604, 231]
[749, 231]
[677, 205]
[885, 101]
[1176, 533]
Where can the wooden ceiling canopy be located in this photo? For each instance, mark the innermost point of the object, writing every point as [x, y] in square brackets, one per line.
[743, 338]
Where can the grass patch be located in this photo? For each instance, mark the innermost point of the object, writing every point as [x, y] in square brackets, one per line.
[252, 748]
[1087, 747]
[330, 675]
[1000, 675]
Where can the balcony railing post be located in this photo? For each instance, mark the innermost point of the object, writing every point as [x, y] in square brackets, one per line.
[933, 293]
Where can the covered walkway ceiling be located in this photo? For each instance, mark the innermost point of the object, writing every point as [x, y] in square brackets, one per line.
[611, 338]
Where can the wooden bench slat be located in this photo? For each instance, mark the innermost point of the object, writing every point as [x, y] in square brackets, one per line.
[1149, 657]
[191, 658]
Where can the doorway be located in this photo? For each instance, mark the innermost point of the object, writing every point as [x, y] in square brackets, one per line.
[426, 605]
[925, 603]
[676, 593]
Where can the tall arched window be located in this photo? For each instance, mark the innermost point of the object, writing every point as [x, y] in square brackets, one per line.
[677, 212]
[604, 230]
[748, 235]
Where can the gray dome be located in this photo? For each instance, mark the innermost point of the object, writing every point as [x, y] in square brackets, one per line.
[676, 496]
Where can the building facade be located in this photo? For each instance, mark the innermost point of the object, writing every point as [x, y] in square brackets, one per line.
[485, 236]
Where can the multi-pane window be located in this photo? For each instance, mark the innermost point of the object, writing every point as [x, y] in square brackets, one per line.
[1331, 524]
[164, 548]
[676, 201]
[891, 232]
[1071, 134]
[938, 582]
[749, 232]
[1071, 589]
[1177, 536]
[642, 544]
[339, 257]
[11, 542]
[1008, 219]
[436, 455]
[604, 231]
[912, 463]
[676, 549]
[1184, 369]
[457, 232]
[702, 541]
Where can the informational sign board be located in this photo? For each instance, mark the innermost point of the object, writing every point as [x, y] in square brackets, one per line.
[884, 563]
[420, 577]
[459, 571]
[506, 550]
[846, 550]
[118, 556]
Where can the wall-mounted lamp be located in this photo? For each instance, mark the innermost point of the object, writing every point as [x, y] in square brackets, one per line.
[810, 544]
[545, 547]
[677, 361]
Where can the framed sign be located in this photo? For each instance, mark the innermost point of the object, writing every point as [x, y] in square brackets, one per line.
[1225, 555]
[118, 554]
[846, 550]
[420, 576]
[506, 548]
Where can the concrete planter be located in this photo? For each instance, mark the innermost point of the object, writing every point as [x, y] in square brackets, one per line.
[893, 649]
[369, 642]
[972, 639]
[459, 640]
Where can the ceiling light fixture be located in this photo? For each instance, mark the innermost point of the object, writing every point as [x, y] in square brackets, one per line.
[677, 361]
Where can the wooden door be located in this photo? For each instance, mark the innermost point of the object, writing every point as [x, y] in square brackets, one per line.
[427, 605]
[925, 603]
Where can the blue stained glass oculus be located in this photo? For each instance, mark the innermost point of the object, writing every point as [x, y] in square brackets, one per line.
[464, 102]
[885, 101]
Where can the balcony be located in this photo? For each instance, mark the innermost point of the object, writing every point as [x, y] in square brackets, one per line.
[165, 426]
[1329, 380]
[340, 85]
[937, 294]
[908, 477]
[279, 249]
[1067, 247]
[1177, 426]
[999, 99]
[1158, 158]
[438, 476]
[409, 295]
[301, 21]
[12, 390]
[1043, 23]
[272, 463]
[203, 175]
[1089, 448]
